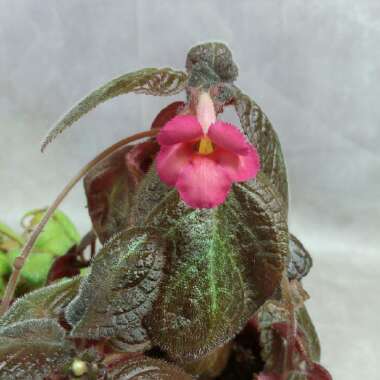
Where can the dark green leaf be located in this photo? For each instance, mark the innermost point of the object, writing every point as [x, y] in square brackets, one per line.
[227, 262]
[261, 134]
[124, 281]
[147, 369]
[149, 194]
[31, 350]
[47, 302]
[149, 81]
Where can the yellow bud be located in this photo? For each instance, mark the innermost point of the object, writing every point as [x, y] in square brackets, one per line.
[79, 367]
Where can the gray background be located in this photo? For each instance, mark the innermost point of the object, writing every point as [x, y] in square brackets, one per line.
[312, 65]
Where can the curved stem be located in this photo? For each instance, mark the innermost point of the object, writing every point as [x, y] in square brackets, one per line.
[20, 260]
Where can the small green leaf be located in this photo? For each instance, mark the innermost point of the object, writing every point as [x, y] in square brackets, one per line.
[5, 266]
[7, 232]
[33, 349]
[59, 234]
[149, 81]
[36, 267]
[124, 282]
[48, 302]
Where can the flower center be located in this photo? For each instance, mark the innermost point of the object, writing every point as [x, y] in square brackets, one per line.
[205, 146]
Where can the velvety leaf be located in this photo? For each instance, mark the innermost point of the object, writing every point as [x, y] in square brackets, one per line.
[149, 81]
[300, 260]
[109, 189]
[111, 185]
[59, 234]
[48, 302]
[124, 282]
[36, 267]
[227, 262]
[311, 340]
[167, 114]
[261, 134]
[64, 266]
[209, 63]
[211, 365]
[274, 325]
[150, 192]
[31, 350]
[317, 372]
[147, 369]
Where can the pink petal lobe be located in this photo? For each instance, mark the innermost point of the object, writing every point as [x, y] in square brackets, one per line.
[203, 183]
[228, 137]
[181, 128]
[239, 168]
[171, 160]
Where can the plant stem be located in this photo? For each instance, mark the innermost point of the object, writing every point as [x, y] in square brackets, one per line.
[292, 327]
[20, 260]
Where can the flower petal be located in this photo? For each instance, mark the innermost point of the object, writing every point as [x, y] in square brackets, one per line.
[171, 160]
[203, 183]
[228, 137]
[239, 168]
[181, 128]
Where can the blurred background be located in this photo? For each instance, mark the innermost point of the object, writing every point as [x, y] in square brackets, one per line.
[313, 67]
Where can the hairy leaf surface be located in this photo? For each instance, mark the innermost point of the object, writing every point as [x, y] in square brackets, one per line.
[261, 134]
[300, 261]
[150, 81]
[31, 350]
[47, 302]
[109, 190]
[148, 369]
[227, 262]
[120, 290]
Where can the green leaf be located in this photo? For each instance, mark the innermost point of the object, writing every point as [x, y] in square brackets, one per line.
[261, 134]
[36, 267]
[48, 302]
[147, 369]
[124, 282]
[7, 232]
[228, 261]
[149, 81]
[59, 234]
[33, 349]
[5, 266]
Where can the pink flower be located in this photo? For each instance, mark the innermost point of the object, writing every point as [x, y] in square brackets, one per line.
[201, 156]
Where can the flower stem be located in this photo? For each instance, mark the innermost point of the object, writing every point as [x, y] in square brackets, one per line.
[20, 260]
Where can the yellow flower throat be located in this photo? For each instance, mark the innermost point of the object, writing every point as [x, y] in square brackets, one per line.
[205, 146]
